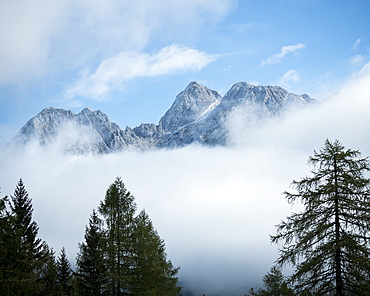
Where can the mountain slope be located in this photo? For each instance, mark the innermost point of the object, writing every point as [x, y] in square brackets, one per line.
[254, 103]
[87, 131]
[189, 105]
[198, 115]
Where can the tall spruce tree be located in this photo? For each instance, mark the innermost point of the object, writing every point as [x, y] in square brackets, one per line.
[153, 273]
[22, 210]
[48, 285]
[91, 270]
[64, 274]
[328, 242]
[118, 209]
[24, 249]
[8, 245]
[275, 284]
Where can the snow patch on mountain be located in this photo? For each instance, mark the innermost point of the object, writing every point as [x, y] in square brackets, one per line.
[191, 104]
[198, 115]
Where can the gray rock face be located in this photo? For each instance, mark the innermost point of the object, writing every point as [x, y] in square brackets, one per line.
[254, 103]
[198, 115]
[191, 104]
[85, 132]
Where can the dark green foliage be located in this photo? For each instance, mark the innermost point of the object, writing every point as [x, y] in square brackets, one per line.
[64, 274]
[22, 251]
[275, 284]
[8, 243]
[49, 274]
[127, 257]
[328, 242]
[118, 209]
[153, 273]
[22, 210]
[135, 254]
[91, 273]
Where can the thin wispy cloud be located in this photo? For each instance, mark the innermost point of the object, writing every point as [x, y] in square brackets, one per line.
[244, 27]
[357, 44]
[285, 50]
[112, 73]
[289, 76]
[357, 60]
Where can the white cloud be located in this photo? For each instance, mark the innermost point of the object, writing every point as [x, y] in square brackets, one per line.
[113, 72]
[357, 44]
[38, 37]
[25, 31]
[277, 57]
[357, 60]
[290, 76]
[214, 207]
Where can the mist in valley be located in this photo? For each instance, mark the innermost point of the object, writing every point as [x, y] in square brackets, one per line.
[214, 207]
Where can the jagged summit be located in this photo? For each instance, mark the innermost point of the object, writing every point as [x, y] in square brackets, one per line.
[198, 115]
[189, 105]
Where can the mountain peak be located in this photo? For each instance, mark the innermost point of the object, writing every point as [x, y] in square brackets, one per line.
[194, 84]
[189, 105]
[197, 115]
[86, 110]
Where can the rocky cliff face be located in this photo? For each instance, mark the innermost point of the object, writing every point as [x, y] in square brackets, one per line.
[198, 115]
[189, 106]
[253, 102]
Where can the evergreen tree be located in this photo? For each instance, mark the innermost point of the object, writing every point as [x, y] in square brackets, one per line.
[275, 284]
[91, 264]
[118, 209]
[23, 251]
[153, 273]
[22, 210]
[328, 242]
[49, 274]
[64, 274]
[8, 243]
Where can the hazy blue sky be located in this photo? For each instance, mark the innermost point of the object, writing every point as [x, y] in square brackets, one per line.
[130, 58]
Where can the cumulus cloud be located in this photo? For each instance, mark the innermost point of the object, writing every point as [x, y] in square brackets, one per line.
[37, 37]
[113, 72]
[277, 57]
[215, 207]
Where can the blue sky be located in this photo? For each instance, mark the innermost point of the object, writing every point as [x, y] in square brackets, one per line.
[131, 58]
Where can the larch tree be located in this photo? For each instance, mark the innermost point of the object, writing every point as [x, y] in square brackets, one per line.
[118, 209]
[153, 273]
[91, 270]
[327, 243]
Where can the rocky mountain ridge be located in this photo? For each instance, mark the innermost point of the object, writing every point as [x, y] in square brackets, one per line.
[198, 115]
